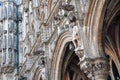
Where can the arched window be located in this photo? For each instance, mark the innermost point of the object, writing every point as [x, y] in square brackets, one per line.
[113, 75]
[115, 71]
[109, 78]
[40, 78]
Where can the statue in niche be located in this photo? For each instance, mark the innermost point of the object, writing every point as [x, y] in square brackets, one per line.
[19, 16]
[10, 12]
[31, 29]
[4, 56]
[28, 42]
[10, 41]
[37, 3]
[42, 61]
[10, 56]
[75, 32]
[26, 18]
[1, 30]
[5, 13]
[80, 52]
[73, 23]
[61, 13]
[30, 7]
[10, 27]
[14, 13]
[85, 5]
[13, 59]
[1, 12]
[58, 16]
[37, 14]
[1, 43]
[5, 42]
[15, 42]
[43, 74]
[30, 12]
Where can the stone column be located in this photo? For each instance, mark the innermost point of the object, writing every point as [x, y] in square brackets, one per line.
[95, 68]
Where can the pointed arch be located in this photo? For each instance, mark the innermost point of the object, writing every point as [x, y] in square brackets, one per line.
[100, 12]
[94, 23]
[58, 55]
[37, 74]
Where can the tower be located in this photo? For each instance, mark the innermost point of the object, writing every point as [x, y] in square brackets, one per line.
[8, 37]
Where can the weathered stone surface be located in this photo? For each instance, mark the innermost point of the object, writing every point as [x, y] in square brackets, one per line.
[59, 39]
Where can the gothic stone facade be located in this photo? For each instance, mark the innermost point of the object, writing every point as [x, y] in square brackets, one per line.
[59, 39]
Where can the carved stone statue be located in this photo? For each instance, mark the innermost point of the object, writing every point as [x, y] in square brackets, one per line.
[75, 32]
[43, 74]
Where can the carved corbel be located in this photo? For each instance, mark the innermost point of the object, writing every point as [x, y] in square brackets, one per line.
[96, 69]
